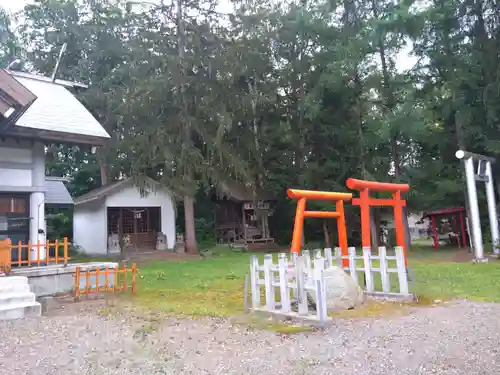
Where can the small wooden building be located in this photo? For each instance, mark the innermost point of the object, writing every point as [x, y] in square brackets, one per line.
[242, 216]
[120, 209]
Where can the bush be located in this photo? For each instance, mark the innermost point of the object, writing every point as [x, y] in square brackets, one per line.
[205, 231]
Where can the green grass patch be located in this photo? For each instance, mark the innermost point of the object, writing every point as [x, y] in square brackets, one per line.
[214, 286]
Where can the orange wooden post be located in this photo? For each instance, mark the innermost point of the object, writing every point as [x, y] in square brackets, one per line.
[5, 255]
[134, 280]
[298, 227]
[398, 221]
[124, 278]
[29, 253]
[87, 282]
[115, 286]
[19, 253]
[57, 251]
[106, 283]
[97, 279]
[342, 232]
[38, 252]
[65, 249]
[77, 283]
[364, 206]
[47, 252]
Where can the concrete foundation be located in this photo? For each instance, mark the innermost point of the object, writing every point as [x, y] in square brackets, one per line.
[54, 279]
[16, 299]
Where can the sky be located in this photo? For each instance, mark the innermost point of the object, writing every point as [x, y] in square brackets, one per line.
[403, 62]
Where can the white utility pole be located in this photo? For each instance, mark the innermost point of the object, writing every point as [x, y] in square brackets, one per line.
[485, 175]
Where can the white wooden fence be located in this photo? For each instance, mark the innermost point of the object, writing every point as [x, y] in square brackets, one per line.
[287, 283]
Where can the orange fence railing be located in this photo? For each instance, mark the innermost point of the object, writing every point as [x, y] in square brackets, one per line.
[33, 254]
[109, 280]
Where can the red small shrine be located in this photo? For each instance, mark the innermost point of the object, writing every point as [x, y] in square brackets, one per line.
[456, 218]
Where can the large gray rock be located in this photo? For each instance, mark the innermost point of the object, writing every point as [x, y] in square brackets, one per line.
[342, 291]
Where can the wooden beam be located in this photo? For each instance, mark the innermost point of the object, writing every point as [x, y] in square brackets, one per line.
[13, 92]
[322, 214]
[376, 202]
[356, 184]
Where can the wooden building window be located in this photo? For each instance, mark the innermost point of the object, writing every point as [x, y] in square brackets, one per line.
[13, 205]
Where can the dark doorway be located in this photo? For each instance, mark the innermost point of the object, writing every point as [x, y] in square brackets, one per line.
[139, 225]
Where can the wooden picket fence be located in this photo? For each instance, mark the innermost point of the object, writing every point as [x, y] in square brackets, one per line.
[12, 255]
[109, 280]
[365, 265]
[294, 277]
[294, 281]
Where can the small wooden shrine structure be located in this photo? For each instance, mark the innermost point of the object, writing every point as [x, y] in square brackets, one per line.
[455, 227]
[241, 215]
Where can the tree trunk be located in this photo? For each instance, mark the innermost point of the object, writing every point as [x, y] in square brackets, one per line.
[327, 234]
[104, 174]
[189, 226]
[374, 229]
[190, 232]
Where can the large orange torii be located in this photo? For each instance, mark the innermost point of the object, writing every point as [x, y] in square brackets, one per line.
[301, 213]
[365, 202]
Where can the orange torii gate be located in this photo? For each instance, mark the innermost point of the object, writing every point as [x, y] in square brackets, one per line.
[301, 213]
[365, 202]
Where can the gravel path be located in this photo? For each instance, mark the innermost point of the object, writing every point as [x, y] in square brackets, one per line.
[459, 338]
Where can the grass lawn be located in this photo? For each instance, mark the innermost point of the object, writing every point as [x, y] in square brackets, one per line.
[214, 286]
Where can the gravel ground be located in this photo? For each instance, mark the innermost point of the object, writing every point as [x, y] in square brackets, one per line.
[459, 338]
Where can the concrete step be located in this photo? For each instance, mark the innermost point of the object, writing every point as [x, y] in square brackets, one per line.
[15, 288]
[23, 310]
[13, 280]
[13, 299]
[264, 247]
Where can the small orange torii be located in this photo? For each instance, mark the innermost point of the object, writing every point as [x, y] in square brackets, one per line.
[301, 213]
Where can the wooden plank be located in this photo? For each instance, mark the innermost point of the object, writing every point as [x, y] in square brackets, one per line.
[402, 274]
[254, 278]
[376, 202]
[307, 261]
[268, 279]
[328, 258]
[13, 92]
[319, 283]
[322, 214]
[301, 291]
[384, 275]
[293, 262]
[338, 256]
[352, 263]
[283, 283]
[368, 269]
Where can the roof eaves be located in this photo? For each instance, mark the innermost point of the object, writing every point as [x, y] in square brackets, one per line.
[39, 77]
[100, 192]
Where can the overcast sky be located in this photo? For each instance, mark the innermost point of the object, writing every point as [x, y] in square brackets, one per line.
[404, 61]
